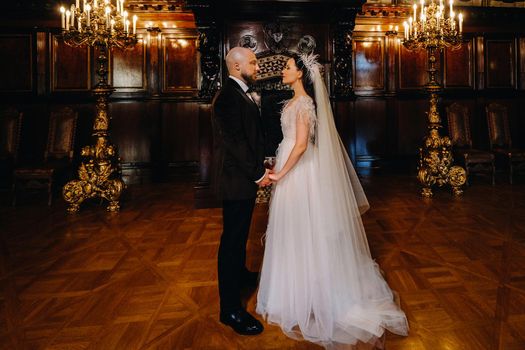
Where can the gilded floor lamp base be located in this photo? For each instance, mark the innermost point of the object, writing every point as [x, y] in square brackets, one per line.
[98, 174]
[435, 165]
[94, 181]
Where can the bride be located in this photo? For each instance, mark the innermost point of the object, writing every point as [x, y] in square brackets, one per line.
[318, 280]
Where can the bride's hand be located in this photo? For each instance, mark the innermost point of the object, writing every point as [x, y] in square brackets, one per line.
[274, 177]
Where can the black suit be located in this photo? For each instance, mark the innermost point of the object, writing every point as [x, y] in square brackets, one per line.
[238, 163]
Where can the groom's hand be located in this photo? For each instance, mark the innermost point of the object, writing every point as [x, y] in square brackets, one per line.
[265, 180]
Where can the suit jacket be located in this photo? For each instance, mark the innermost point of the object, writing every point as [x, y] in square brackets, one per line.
[238, 143]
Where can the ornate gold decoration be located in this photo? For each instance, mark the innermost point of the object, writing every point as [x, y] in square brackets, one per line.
[434, 31]
[105, 26]
[264, 193]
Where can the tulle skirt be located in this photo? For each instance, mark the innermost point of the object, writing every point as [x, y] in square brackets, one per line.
[318, 281]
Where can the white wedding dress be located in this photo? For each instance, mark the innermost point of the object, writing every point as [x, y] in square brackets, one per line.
[318, 280]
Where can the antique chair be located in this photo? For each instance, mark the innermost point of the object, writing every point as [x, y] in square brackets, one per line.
[500, 138]
[474, 160]
[57, 157]
[10, 127]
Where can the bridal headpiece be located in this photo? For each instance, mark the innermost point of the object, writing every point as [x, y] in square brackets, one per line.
[311, 63]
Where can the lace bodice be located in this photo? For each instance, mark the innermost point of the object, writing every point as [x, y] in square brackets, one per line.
[302, 107]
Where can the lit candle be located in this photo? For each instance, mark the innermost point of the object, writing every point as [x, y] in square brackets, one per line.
[135, 24]
[118, 6]
[68, 14]
[108, 11]
[410, 26]
[422, 2]
[73, 16]
[405, 25]
[106, 2]
[95, 3]
[460, 22]
[127, 26]
[122, 6]
[438, 16]
[79, 24]
[396, 28]
[124, 18]
[452, 21]
[112, 25]
[88, 9]
[440, 3]
[63, 15]
[415, 11]
[84, 5]
[77, 4]
[451, 1]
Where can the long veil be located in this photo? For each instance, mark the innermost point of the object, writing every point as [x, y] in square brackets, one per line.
[361, 301]
[333, 158]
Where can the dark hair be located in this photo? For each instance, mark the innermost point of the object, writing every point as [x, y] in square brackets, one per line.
[307, 81]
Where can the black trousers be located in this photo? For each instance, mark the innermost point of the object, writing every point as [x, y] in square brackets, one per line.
[236, 217]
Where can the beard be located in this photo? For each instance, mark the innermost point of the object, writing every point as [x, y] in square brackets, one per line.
[250, 79]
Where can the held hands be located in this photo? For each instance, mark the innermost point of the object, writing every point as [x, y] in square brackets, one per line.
[274, 177]
[266, 179]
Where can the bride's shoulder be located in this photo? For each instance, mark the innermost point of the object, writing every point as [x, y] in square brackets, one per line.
[306, 101]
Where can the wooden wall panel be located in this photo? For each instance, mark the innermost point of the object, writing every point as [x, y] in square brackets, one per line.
[371, 128]
[412, 124]
[128, 68]
[500, 63]
[458, 67]
[344, 117]
[479, 58]
[412, 68]
[205, 141]
[16, 62]
[180, 132]
[165, 123]
[131, 130]
[522, 63]
[70, 67]
[369, 64]
[180, 72]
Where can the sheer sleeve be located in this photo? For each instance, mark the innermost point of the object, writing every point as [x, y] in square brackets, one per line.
[306, 114]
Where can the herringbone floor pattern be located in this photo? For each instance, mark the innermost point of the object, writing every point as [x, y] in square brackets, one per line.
[146, 278]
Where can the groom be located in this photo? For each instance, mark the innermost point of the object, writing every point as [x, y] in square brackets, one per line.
[239, 170]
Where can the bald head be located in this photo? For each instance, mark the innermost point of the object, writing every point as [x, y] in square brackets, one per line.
[242, 64]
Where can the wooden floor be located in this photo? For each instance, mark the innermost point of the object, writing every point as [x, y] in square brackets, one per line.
[146, 278]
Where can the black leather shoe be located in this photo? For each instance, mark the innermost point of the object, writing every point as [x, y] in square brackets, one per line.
[250, 279]
[242, 322]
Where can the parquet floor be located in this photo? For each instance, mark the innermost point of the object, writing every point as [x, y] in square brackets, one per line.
[146, 278]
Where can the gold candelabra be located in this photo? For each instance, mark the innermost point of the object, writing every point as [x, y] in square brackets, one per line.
[434, 29]
[105, 25]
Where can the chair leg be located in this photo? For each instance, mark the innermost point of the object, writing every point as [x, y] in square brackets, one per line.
[49, 193]
[14, 187]
[493, 174]
[510, 171]
[466, 175]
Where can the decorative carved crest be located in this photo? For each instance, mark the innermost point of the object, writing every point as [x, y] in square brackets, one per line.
[276, 36]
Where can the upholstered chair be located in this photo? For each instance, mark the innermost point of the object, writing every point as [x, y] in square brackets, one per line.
[474, 160]
[10, 127]
[501, 140]
[57, 158]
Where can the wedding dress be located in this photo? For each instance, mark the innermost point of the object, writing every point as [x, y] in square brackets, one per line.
[318, 280]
